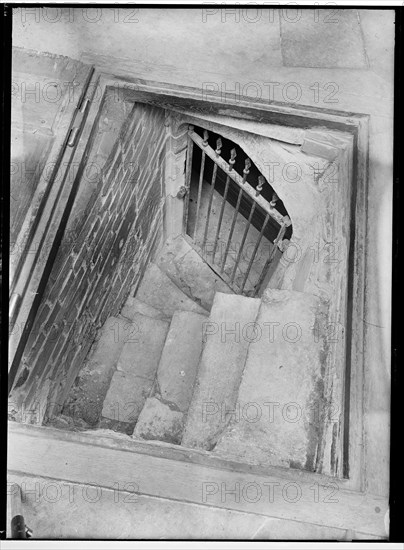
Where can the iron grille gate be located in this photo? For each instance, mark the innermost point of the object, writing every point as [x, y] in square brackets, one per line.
[197, 235]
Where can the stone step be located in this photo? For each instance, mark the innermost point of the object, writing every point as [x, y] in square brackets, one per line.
[162, 416]
[85, 400]
[157, 290]
[228, 333]
[279, 408]
[190, 272]
[136, 369]
[134, 305]
[159, 422]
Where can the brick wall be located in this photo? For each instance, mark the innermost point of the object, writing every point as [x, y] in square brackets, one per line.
[105, 250]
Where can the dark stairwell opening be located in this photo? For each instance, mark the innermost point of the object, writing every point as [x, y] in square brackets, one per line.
[236, 235]
[129, 308]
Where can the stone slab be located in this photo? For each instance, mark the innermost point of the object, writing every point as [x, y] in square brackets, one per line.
[134, 305]
[85, 400]
[157, 290]
[144, 343]
[126, 397]
[158, 421]
[280, 406]
[111, 516]
[180, 358]
[222, 363]
[190, 272]
[329, 27]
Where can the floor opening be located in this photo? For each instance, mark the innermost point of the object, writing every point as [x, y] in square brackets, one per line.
[169, 359]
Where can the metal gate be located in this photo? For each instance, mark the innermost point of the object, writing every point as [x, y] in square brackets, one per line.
[248, 204]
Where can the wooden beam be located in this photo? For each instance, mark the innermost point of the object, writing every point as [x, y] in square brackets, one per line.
[104, 461]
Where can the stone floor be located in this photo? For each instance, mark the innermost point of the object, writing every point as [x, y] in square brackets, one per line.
[251, 39]
[58, 512]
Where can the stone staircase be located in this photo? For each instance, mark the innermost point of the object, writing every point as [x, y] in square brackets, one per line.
[178, 366]
[150, 372]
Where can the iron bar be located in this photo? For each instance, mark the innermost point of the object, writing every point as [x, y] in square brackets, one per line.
[246, 171]
[251, 193]
[255, 252]
[243, 241]
[212, 188]
[247, 188]
[188, 173]
[279, 237]
[233, 223]
[198, 202]
[219, 223]
[233, 154]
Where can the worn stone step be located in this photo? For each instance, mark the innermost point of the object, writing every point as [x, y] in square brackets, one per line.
[159, 421]
[158, 291]
[228, 333]
[176, 376]
[279, 408]
[190, 272]
[85, 400]
[180, 358]
[134, 305]
[135, 369]
[126, 397]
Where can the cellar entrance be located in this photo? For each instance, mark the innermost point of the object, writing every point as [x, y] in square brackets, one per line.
[148, 324]
[188, 317]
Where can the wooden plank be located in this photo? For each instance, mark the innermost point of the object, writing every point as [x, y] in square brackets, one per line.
[46, 452]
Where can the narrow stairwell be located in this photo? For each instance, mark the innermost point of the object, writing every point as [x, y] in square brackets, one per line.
[186, 357]
[141, 374]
